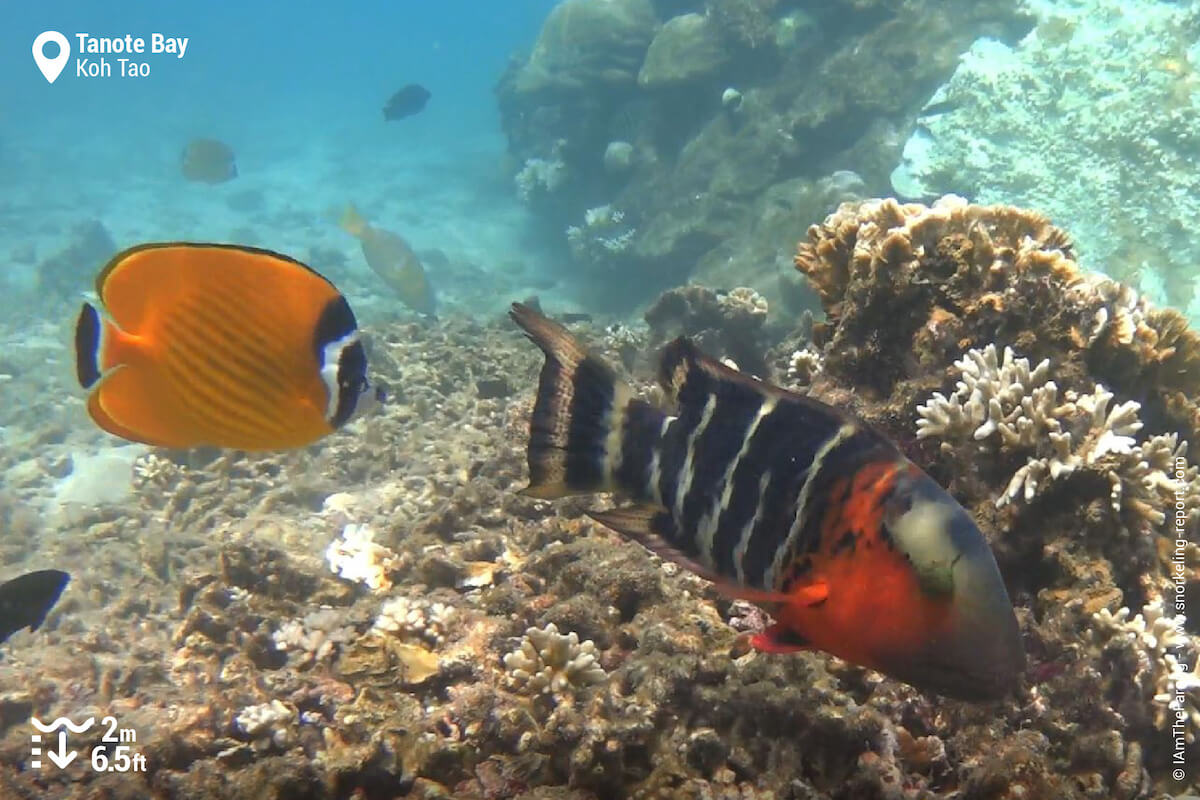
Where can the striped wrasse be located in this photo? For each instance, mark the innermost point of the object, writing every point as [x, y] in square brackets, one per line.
[786, 502]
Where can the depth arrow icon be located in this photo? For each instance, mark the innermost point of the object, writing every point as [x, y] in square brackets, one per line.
[63, 757]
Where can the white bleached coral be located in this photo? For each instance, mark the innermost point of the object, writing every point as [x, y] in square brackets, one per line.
[408, 618]
[603, 234]
[1004, 403]
[268, 725]
[541, 176]
[314, 638]
[550, 662]
[743, 303]
[356, 557]
[1162, 649]
[804, 365]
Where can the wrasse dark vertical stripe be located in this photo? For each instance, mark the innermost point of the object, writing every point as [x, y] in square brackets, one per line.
[845, 455]
[723, 494]
[785, 441]
[638, 441]
[673, 452]
[758, 547]
[589, 416]
[736, 409]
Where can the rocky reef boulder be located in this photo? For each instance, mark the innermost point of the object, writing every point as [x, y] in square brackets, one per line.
[687, 49]
[589, 43]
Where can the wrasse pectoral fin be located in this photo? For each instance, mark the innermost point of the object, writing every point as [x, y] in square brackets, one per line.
[638, 522]
[807, 594]
[778, 639]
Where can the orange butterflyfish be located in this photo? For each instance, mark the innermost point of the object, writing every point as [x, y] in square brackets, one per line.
[219, 345]
[786, 502]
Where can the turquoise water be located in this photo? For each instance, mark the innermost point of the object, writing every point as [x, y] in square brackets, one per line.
[382, 613]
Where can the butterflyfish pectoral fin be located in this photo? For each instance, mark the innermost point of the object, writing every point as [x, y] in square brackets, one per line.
[778, 639]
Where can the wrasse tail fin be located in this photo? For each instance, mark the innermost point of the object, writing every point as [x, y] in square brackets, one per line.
[576, 428]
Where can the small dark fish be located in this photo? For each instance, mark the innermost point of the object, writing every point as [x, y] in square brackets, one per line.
[936, 109]
[208, 161]
[26, 600]
[406, 102]
[574, 316]
[785, 502]
[569, 317]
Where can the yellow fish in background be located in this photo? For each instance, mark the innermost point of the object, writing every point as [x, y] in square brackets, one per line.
[391, 258]
[219, 345]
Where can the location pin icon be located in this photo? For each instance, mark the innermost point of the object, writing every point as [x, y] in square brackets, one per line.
[51, 67]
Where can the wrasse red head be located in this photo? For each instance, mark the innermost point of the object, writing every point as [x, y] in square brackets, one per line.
[914, 591]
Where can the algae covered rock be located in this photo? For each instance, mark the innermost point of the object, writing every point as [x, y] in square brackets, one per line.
[688, 48]
[588, 43]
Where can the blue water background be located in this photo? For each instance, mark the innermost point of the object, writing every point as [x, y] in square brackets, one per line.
[297, 89]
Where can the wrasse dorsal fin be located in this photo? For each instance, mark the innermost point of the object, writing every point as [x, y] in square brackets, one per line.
[681, 359]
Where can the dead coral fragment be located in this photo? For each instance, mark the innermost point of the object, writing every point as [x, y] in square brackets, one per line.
[549, 662]
[356, 557]
[268, 725]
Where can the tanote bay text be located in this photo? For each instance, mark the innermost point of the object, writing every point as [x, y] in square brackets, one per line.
[86, 67]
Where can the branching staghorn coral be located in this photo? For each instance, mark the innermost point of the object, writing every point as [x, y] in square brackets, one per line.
[553, 663]
[603, 235]
[1003, 403]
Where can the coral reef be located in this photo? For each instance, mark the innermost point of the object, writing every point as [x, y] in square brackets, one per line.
[334, 622]
[1159, 647]
[728, 140]
[1014, 119]
[356, 557]
[1039, 399]
[725, 324]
